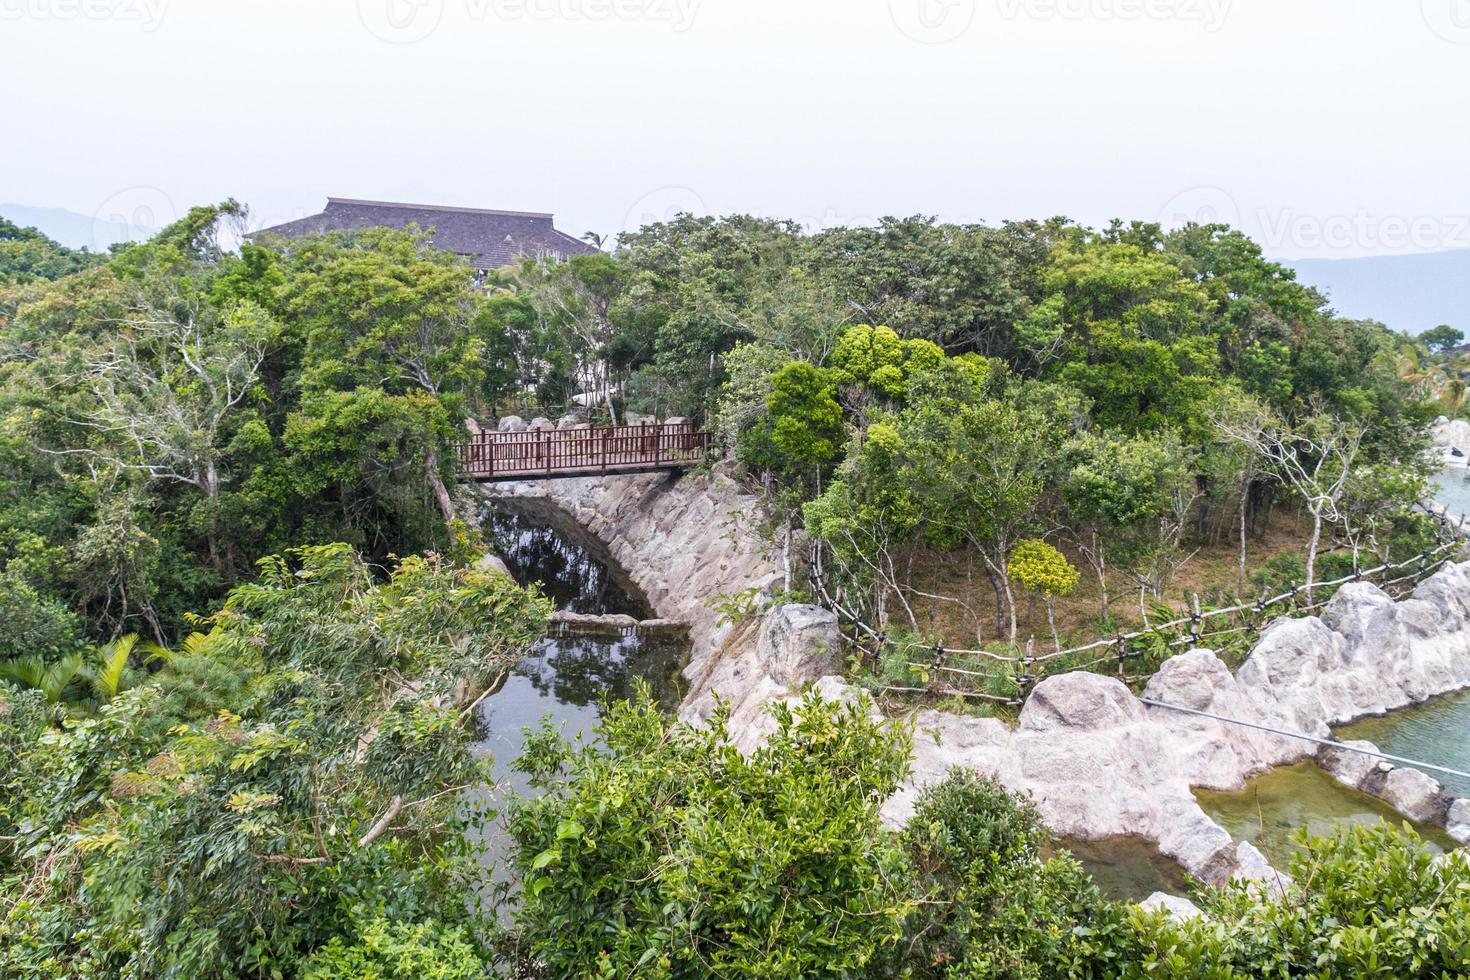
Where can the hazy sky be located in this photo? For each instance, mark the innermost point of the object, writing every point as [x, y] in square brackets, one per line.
[1322, 127]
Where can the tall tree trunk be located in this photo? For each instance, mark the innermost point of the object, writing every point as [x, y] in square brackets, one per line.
[1312, 550]
[1100, 563]
[1010, 607]
[441, 492]
[1051, 621]
[1245, 492]
[786, 557]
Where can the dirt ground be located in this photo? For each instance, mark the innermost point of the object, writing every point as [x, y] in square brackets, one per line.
[1211, 573]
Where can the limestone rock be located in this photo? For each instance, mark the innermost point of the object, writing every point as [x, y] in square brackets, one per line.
[798, 644]
[795, 645]
[1412, 793]
[1080, 701]
[586, 621]
[1173, 905]
[1457, 822]
[1347, 767]
[578, 418]
[541, 424]
[1451, 434]
[493, 563]
[511, 423]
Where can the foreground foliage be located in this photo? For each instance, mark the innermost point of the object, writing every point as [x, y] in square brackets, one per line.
[295, 767]
[1371, 902]
[662, 852]
[659, 851]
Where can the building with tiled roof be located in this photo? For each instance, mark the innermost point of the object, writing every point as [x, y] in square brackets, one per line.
[488, 239]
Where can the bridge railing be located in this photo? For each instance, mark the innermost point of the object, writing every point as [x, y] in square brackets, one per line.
[539, 452]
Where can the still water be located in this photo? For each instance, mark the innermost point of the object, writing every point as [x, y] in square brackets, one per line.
[1274, 806]
[570, 674]
[1126, 869]
[1437, 731]
[1452, 488]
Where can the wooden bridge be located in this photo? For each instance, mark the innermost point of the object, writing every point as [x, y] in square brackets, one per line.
[535, 453]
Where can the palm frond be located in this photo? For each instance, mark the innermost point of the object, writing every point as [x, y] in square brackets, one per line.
[110, 669]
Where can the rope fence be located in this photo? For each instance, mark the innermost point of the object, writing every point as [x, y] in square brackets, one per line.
[1019, 672]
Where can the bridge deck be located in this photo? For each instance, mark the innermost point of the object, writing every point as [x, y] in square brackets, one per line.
[541, 453]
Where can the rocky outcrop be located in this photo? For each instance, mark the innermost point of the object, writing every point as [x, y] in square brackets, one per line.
[1452, 436]
[684, 542]
[1172, 905]
[1457, 821]
[795, 646]
[1099, 762]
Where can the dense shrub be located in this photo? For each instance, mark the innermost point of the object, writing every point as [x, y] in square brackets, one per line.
[661, 851]
[385, 950]
[1370, 902]
[223, 818]
[988, 905]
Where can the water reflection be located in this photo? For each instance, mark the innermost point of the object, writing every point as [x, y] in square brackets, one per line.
[1126, 869]
[541, 544]
[571, 673]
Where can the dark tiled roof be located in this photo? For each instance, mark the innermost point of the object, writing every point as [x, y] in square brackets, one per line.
[489, 239]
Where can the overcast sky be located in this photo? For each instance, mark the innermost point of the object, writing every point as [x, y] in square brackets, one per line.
[1321, 127]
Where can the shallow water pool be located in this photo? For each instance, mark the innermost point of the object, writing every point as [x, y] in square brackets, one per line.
[1437, 731]
[1278, 804]
[1126, 869]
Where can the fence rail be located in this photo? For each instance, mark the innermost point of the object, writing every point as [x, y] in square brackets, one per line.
[584, 451]
[1023, 670]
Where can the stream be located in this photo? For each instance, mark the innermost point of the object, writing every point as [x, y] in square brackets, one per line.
[570, 673]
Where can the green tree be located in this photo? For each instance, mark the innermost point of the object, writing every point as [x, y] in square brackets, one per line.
[27, 255]
[235, 843]
[1128, 497]
[1440, 338]
[990, 901]
[1042, 570]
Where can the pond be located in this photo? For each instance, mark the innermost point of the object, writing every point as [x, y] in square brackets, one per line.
[570, 674]
[1452, 488]
[1437, 731]
[1126, 869]
[1276, 805]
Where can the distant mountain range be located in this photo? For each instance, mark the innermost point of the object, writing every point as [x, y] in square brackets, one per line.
[75, 230]
[1408, 292]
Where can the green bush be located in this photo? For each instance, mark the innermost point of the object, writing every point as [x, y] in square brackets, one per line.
[35, 625]
[988, 905]
[663, 852]
[1370, 902]
[386, 950]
